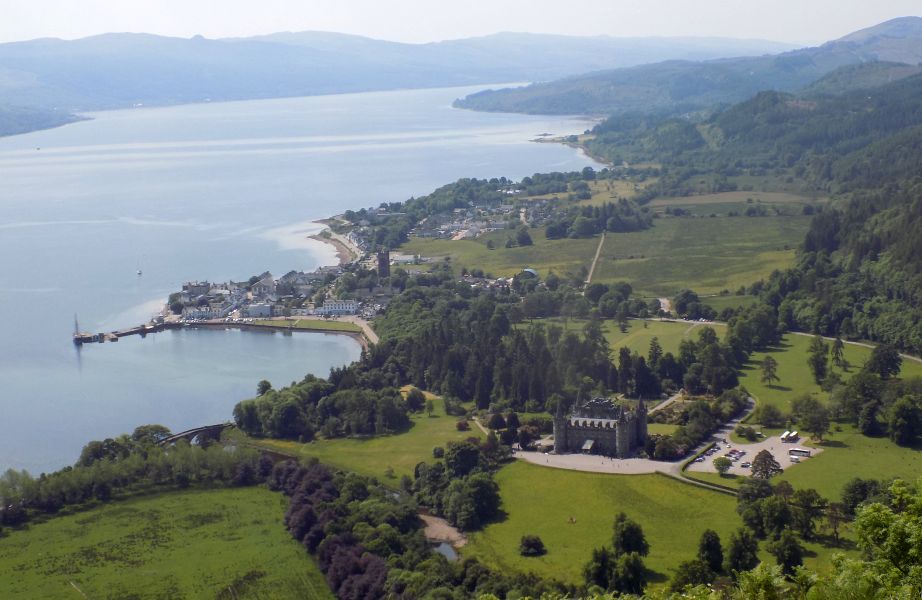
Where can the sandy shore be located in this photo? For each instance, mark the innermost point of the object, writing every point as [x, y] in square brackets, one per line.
[343, 254]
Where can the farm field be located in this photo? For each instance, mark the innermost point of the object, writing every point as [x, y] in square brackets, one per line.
[703, 254]
[222, 543]
[400, 452]
[719, 303]
[724, 202]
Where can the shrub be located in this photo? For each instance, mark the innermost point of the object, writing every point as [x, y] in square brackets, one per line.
[438, 452]
[463, 425]
[531, 545]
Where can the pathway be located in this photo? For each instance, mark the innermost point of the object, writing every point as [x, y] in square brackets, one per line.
[440, 530]
[862, 344]
[598, 251]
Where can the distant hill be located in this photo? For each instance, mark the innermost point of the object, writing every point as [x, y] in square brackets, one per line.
[118, 70]
[862, 76]
[683, 86]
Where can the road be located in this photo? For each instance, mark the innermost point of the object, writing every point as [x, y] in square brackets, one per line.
[598, 252]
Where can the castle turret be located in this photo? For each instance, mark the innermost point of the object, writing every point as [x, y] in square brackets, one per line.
[560, 431]
[641, 423]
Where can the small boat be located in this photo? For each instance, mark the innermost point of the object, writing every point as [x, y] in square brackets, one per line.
[139, 272]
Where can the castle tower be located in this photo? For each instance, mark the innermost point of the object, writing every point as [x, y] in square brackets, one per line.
[560, 431]
[641, 423]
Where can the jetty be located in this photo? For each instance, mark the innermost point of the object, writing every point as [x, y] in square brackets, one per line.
[83, 337]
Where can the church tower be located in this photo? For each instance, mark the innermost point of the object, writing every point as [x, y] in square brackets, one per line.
[641, 423]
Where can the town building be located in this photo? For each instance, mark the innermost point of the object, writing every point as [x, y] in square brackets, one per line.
[338, 307]
[600, 426]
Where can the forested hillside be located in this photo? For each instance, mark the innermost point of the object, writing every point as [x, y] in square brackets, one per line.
[676, 87]
[18, 119]
[859, 273]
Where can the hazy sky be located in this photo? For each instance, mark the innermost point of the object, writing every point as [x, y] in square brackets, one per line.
[798, 21]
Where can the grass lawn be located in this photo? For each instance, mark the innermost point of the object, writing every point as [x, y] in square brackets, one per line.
[794, 372]
[541, 501]
[640, 333]
[373, 456]
[719, 303]
[661, 428]
[222, 543]
[848, 454]
[313, 324]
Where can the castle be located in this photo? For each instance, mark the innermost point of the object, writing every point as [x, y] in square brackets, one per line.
[599, 426]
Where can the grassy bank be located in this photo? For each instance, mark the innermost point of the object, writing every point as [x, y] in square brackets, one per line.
[312, 325]
[223, 543]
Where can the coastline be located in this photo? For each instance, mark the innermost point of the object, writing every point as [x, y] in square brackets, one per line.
[346, 251]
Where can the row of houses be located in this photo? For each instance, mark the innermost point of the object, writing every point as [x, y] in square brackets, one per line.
[263, 296]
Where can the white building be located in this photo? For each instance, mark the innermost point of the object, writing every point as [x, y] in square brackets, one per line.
[338, 307]
[258, 311]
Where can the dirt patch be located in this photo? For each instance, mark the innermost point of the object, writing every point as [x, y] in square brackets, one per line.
[440, 530]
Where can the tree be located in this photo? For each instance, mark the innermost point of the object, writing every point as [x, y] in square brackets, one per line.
[599, 568]
[817, 358]
[655, 353]
[722, 464]
[629, 575]
[764, 465]
[628, 536]
[771, 416]
[776, 515]
[512, 420]
[496, 421]
[905, 422]
[522, 237]
[461, 458]
[769, 368]
[710, 550]
[835, 516]
[808, 506]
[416, 400]
[262, 387]
[691, 573]
[838, 358]
[885, 361]
[788, 552]
[531, 545]
[742, 552]
[430, 406]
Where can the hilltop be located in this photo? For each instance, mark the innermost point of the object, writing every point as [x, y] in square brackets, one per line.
[682, 86]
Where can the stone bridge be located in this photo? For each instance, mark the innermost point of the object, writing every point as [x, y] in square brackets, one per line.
[212, 432]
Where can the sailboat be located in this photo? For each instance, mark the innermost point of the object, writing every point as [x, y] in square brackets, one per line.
[139, 268]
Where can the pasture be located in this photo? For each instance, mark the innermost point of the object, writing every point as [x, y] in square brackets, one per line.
[222, 543]
[704, 254]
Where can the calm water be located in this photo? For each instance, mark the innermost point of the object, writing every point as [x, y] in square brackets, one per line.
[212, 191]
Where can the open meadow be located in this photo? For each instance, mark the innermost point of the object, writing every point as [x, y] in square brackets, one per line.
[397, 454]
[640, 333]
[572, 512]
[225, 544]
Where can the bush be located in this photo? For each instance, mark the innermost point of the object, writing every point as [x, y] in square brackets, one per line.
[747, 432]
[531, 545]
[438, 452]
[463, 425]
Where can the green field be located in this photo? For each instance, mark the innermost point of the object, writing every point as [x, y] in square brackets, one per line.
[848, 454]
[374, 456]
[223, 544]
[640, 333]
[794, 372]
[541, 501]
[312, 324]
[724, 202]
[704, 254]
